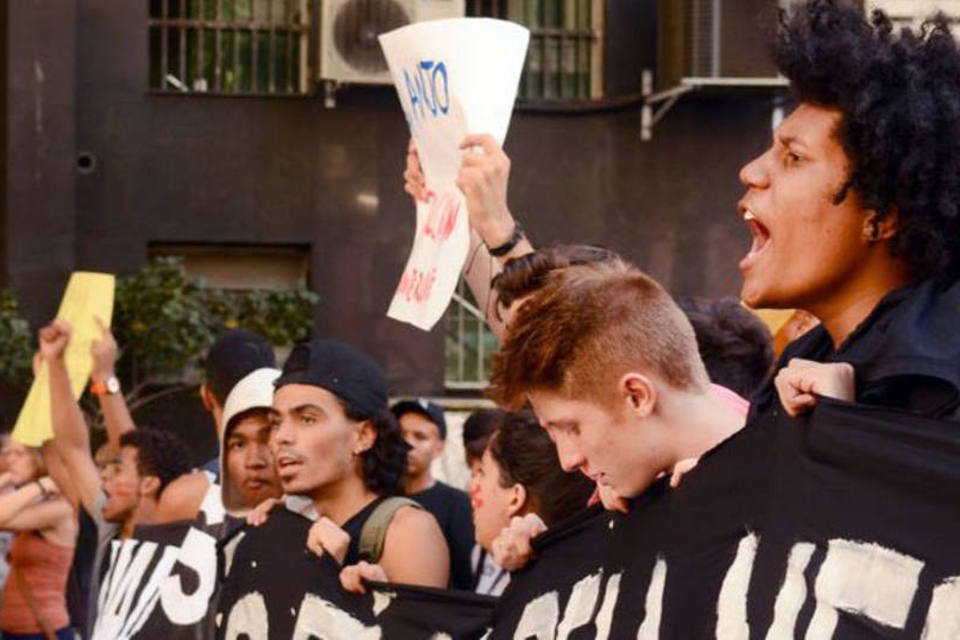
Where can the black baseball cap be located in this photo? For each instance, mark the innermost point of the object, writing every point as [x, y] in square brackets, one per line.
[430, 410]
[232, 357]
[340, 369]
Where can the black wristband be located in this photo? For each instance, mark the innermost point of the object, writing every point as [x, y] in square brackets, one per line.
[508, 246]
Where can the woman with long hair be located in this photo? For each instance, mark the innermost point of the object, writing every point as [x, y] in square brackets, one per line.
[44, 522]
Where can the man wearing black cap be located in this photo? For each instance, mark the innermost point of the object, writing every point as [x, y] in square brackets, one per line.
[425, 430]
[336, 444]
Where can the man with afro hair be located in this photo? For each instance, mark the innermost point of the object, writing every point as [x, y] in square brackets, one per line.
[854, 211]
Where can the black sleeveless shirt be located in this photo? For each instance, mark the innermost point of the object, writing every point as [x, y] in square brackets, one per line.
[354, 526]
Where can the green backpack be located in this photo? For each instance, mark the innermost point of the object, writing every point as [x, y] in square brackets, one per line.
[374, 530]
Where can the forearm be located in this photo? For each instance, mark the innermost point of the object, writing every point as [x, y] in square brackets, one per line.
[57, 469]
[14, 502]
[69, 428]
[497, 231]
[116, 417]
[481, 268]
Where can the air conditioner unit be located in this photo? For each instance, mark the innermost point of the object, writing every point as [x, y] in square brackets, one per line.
[349, 49]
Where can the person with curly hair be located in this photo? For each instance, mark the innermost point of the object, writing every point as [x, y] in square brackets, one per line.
[338, 447]
[125, 494]
[854, 211]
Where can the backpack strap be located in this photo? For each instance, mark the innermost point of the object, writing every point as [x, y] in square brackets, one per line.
[374, 531]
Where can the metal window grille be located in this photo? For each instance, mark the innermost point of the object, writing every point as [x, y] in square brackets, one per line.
[469, 343]
[704, 42]
[564, 61]
[905, 13]
[256, 47]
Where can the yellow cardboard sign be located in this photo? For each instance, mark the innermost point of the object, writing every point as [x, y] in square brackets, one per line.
[87, 297]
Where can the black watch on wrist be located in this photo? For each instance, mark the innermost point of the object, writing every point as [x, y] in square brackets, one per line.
[508, 246]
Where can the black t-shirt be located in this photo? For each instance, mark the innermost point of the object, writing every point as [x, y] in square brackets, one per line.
[451, 508]
[905, 354]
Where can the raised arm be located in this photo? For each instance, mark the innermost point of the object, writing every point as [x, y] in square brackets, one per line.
[483, 179]
[70, 435]
[113, 406]
[58, 473]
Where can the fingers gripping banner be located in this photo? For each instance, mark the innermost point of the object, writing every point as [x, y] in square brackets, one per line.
[842, 528]
[453, 77]
[277, 588]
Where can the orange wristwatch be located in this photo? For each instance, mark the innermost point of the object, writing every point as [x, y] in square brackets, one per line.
[109, 387]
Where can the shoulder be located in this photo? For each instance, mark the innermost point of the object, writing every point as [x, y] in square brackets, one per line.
[181, 499]
[412, 533]
[411, 522]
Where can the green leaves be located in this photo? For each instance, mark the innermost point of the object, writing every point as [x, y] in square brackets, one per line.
[165, 320]
[16, 344]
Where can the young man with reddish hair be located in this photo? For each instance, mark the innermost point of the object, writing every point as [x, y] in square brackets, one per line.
[609, 363]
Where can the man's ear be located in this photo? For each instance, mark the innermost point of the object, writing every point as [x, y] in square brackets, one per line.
[366, 437]
[639, 392]
[518, 499]
[150, 487]
[209, 402]
[878, 228]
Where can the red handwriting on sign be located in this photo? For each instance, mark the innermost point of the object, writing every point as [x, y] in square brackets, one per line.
[416, 285]
[442, 217]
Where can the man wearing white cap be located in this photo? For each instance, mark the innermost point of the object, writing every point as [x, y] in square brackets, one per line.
[247, 472]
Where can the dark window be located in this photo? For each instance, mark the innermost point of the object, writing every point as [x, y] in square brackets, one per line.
[229, 46]
[469, 345]
[564, 60]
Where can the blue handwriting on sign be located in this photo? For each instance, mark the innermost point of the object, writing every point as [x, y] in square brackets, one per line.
[428, 90]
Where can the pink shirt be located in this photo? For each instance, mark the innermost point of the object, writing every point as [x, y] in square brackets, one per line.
[736, 402]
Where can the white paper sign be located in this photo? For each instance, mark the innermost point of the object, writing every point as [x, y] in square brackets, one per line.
[453, 77]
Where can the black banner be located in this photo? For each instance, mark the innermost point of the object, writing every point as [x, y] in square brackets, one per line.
[840, 527]
[843, 526]
[160, 584]
[274, 587]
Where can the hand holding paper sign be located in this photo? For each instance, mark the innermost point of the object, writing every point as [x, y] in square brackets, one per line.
[448, 85]
[483, 178]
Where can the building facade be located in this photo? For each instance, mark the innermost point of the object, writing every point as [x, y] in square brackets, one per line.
[203, 128]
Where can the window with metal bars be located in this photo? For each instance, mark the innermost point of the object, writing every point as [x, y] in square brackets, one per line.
[564, 61]
[906, 13]
[251, 47]
[470, 344]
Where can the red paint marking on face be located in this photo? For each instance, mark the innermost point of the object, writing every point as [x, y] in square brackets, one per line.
[475, 500]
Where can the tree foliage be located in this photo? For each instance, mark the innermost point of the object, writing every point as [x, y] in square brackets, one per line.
[16, 344]
[164, 321]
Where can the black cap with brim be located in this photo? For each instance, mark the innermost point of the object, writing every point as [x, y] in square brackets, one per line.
[340, 369]
[429, 410]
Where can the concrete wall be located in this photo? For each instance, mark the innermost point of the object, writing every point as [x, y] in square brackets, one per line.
[286, 171]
